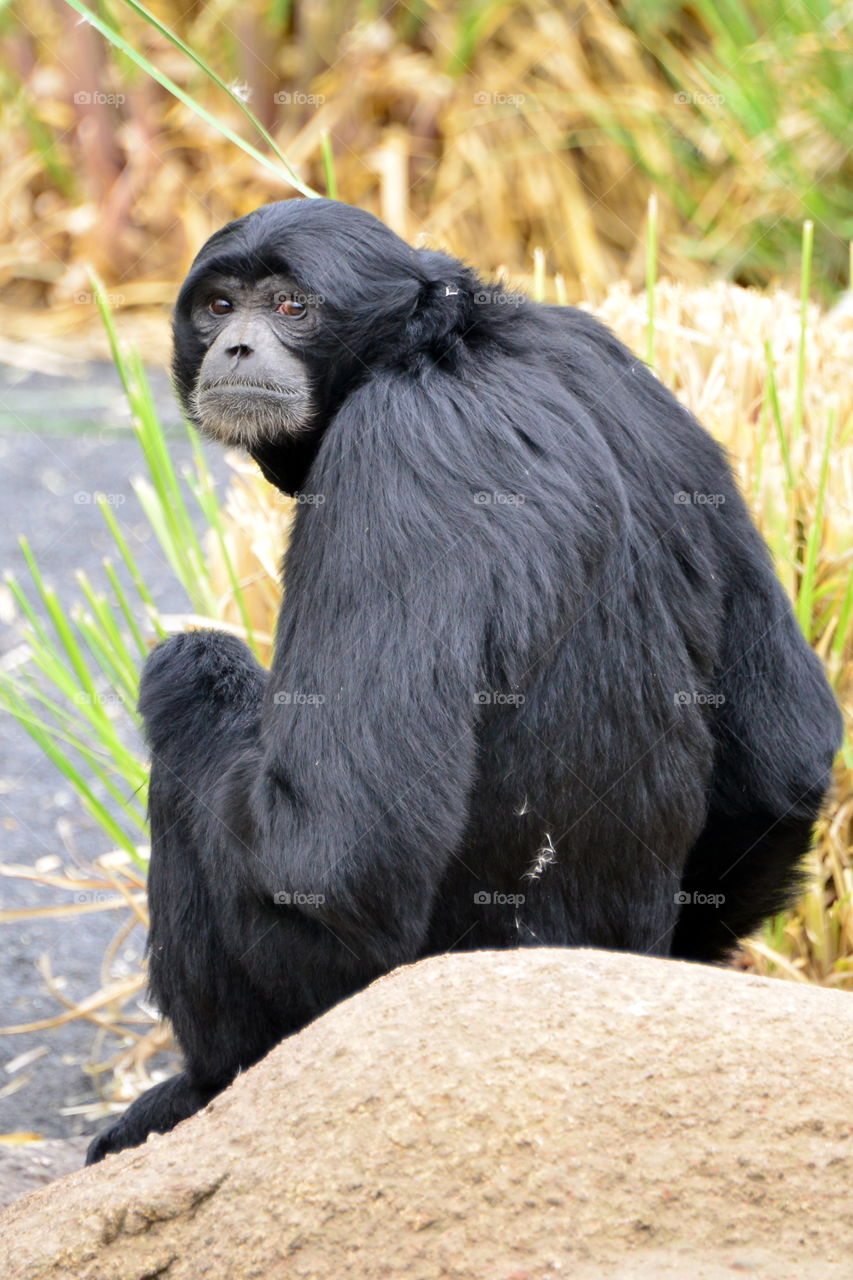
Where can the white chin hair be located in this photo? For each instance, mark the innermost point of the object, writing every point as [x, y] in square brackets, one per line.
[237, 433]
[230, 420]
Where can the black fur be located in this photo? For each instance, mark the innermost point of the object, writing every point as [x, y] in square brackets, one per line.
[582, 689]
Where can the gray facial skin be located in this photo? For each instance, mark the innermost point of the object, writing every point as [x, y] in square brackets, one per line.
[253, 385]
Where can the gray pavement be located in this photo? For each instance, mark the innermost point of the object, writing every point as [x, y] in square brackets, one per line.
[60, 439]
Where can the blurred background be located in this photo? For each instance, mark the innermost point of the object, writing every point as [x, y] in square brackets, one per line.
[493, 128]
[683, 170]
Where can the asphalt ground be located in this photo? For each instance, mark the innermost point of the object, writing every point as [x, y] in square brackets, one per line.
[61, 441]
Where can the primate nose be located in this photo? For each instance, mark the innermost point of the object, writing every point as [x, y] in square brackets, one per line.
[240, 351]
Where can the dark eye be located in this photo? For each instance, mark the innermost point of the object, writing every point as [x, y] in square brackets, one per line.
[219, 307]
[291, 307]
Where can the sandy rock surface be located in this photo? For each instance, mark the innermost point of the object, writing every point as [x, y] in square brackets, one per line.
[526, 1115]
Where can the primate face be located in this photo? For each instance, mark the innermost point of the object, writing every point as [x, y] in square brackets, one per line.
[253, 385]
[288, 311]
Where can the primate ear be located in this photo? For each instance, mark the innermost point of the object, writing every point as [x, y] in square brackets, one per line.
[444, 276]
[446, 301]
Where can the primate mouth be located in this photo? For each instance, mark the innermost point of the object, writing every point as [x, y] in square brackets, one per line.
[246, 414]
[241, 385]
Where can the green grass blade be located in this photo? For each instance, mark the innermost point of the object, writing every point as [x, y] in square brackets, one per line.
[282, 171]
[329, 165]
[26, 608]
[124, 605]
[843, 624]
[805, 286]
[132, 567]
[651, 278]
[781, 434]
[46, 740]
[63, 630]
[122, 661]
[210, 509]
[121, 682]
[236, 98]
[129, 800]
[805, 597]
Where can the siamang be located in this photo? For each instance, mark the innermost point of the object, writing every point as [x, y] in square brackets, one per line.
[535, 682]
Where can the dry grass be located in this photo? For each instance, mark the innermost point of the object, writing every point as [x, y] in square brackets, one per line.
[491, 128]
[117, 1007]
[710, 347]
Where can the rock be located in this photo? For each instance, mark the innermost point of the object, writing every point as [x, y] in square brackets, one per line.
[526, 1115]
